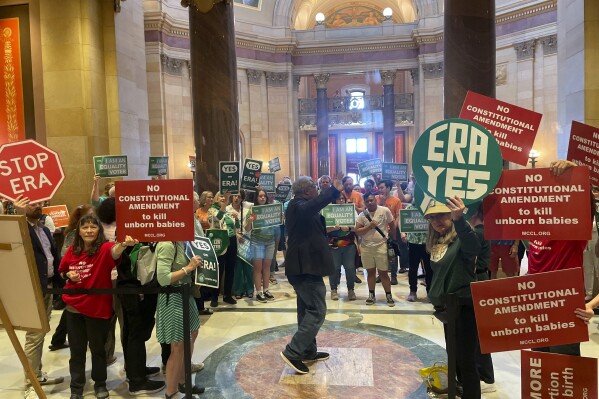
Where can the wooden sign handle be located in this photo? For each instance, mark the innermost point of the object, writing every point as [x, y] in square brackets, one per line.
[20, 353]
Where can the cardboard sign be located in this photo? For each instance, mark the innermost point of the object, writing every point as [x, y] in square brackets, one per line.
[412, 221]
[531, 204]
[158, 166]
[267, 215]
[228, 177]
[457, 157]
[207, 272]
[111, 166]
[251, 174]
[529, 311]
[155, 210]
[244, 250]
[584, 148]
[554, 376]
[282, 192]
[395, 171]
[267, 182]
[274, 165]
[30, 169]
[370, 167]
[339, 215]
[58, 213]
[513, 127]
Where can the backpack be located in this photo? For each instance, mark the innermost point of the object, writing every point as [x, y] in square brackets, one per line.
[144, 261]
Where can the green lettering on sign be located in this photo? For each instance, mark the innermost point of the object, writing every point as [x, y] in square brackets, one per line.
[339, 215]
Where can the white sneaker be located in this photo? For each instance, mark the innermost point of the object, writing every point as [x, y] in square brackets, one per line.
[487, 388]
[30, 393]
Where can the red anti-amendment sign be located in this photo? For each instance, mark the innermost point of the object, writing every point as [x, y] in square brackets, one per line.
[58, 213]
[155, 210]
[584, 148]
[530, 311]
[533, 204]
[28, 168]
[553, 376]
[513, 127]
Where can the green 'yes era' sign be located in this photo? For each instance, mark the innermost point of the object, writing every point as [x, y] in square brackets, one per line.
[207, 272]
[228, 176]
[457, 157]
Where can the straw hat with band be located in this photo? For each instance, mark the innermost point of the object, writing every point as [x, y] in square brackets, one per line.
[436, 207]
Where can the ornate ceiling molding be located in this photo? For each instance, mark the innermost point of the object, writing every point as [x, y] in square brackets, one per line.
[527, 12]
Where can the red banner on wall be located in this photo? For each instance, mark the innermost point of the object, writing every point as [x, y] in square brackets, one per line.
[155, 210]
[533, 204]
[553, 376]
[12, 113]
[530, 311]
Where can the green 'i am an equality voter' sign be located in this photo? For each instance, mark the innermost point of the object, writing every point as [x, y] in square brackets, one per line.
[457, 157]
[339, 215]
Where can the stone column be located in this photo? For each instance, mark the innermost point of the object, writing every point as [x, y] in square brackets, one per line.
[469, 54]
[525, 55]
[214, 86]
[388, 78]
[322, 123]
[294, 144]
[415, 74]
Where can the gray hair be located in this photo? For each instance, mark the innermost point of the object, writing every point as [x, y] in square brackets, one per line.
[196, 196]
[301, 184]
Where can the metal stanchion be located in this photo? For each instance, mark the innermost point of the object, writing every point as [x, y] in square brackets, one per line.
[452, 313]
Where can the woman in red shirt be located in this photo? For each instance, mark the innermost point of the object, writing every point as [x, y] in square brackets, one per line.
[88, 264]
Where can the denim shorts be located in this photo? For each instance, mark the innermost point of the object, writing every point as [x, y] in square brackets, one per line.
[263, 251]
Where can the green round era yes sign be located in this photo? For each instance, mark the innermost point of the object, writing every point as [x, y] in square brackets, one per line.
[457, 157]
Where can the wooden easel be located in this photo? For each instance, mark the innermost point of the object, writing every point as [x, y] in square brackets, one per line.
[20, 352]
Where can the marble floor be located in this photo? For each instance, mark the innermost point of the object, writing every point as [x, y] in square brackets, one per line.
[376, 351]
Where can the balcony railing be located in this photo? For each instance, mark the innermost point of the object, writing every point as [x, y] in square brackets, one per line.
[341, 112]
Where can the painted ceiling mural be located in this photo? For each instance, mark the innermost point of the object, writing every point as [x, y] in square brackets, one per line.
[355, 15]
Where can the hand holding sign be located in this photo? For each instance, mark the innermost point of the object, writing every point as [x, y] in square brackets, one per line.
[193, 264]
[456, 206]
[560, 166]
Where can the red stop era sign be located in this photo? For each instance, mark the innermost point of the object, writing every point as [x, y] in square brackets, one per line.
[30, 169]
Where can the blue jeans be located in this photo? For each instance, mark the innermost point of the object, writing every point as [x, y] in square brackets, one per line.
[311, 311]
[344, 256]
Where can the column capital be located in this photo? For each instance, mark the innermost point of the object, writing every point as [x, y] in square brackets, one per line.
[414, 72]
[388, 77]
[525, 50]
[321, 80]
[549, 44]
[433, 70]
[203, 6]
[254, 76]
[277, 79]
[174, 66]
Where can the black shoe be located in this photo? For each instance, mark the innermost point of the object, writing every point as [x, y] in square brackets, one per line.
[297, 365]
[214, 303]
[101, 392]
[152, 371]
[76, 396]
[402, 270]
[261, 298]
[394, 281]
[378, 280]
[150, 386]
[230, 300]
[269, 296]
[196, 389]
[206, 312]
[55, 347]
[319, 357]
[357, 280]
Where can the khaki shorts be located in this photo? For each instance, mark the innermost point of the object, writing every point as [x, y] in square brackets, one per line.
[375, 257]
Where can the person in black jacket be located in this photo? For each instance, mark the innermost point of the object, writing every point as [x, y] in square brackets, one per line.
[308, 259]
[47, 261]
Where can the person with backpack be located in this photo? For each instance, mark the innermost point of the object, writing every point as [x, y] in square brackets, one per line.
[173, 270]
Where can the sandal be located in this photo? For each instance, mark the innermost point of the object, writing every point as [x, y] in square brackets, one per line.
[167, 396]
[238, 297]
[196, 389]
